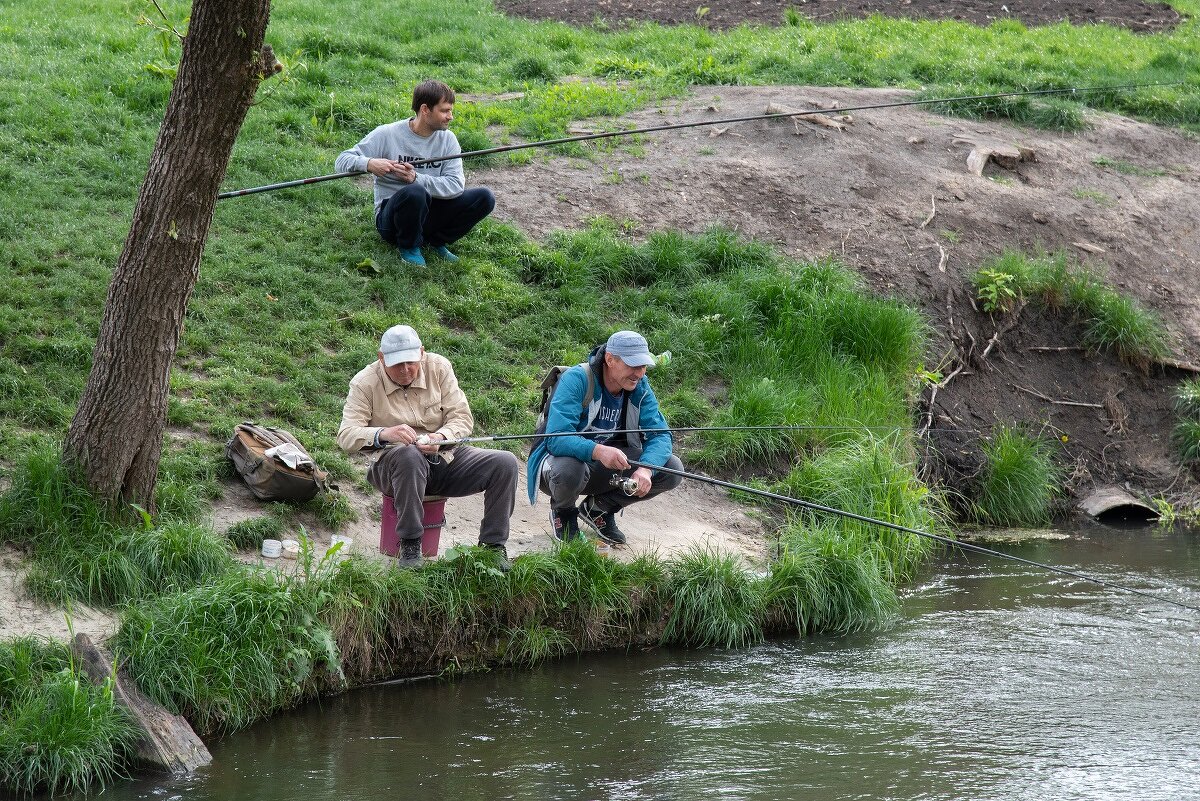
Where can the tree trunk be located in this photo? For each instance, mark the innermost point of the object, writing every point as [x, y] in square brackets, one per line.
[116, 435]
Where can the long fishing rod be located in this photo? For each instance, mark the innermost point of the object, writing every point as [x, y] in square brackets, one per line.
[670, 430]
[723, 121]
[967, 546]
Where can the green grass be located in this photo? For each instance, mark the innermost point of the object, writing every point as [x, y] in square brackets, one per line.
[1018, 482]
[58, 732]
[1128, 168]
[1111, 321]
[1186, 434]
[84, 551]
[715, 602]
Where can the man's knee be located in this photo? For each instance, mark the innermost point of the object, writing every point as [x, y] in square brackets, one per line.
[486, 200]
[395, 463]
[505, 468]
[565, 476]
[669, 481]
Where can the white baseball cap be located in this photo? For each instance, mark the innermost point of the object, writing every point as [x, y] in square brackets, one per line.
[400, 343]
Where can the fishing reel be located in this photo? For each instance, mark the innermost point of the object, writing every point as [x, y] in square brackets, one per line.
[629, 486]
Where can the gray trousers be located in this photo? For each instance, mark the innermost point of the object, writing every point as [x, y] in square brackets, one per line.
[404, 473]
[565, 478]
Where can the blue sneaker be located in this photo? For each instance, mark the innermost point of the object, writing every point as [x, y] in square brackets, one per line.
[412, 256]
[444, 253]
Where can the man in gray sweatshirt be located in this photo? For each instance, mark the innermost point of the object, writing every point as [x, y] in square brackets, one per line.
[425, 205]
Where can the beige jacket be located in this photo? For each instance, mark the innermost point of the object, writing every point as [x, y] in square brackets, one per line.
[431, 404]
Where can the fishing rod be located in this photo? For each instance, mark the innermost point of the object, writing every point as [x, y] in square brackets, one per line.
[670, 430]
[723, 121]
[967, 546]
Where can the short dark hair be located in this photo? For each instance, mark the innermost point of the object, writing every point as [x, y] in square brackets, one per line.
[431, 93]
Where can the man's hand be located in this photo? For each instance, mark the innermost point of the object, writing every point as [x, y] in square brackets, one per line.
[610, 457]
[430, 443]
[642, 477]
[401, 434]
[386, 168]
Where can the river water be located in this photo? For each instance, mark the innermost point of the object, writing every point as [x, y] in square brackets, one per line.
[999, 681]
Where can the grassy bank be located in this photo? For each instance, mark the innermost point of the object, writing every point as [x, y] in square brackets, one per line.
[295, 289]
[231, 652]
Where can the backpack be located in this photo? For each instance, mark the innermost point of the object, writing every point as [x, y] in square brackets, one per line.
[270, 478]
[549, 384]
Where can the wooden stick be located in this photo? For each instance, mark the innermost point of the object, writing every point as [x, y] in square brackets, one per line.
[1037, 394]
[933, 211]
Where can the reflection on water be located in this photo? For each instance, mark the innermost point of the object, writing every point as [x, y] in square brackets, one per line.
[1000, 681]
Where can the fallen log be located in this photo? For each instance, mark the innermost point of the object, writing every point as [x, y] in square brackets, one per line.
[167, 740]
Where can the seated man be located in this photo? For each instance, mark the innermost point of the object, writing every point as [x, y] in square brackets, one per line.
[566, 467]
[423, 205]
[407, 402]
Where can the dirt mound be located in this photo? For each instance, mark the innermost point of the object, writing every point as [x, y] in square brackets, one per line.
[1138, 15]
[892, 197]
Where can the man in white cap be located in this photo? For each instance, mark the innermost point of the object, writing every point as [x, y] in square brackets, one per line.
[406, 402]
[608, 392]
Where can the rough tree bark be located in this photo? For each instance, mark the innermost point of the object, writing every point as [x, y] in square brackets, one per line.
[116, 435]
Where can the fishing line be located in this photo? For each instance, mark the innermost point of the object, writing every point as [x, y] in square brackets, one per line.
[967, 546]
[723, 121]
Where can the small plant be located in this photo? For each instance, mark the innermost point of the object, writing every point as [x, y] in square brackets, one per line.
[1018, 481]
[1127, 167]
[1094, 195]
[996, 290]
[950, 235]
[792, 18]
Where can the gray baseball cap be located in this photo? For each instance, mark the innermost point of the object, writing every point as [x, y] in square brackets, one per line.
[631, 348]
[400, 343]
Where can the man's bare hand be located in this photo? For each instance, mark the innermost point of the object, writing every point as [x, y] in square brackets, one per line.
[401, 435]
[610, 457]
[430, 443]
[642, 477]
[386, 168]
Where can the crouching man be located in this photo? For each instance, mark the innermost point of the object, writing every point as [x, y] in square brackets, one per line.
[406, 403]
[608, 392]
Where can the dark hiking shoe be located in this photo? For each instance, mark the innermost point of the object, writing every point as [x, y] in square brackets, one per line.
[564, 523]
[604, 523]
[501, 556]
[410, 554]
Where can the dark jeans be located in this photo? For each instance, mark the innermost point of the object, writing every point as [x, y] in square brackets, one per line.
[404, 473]
[412, 217]
[567, 478]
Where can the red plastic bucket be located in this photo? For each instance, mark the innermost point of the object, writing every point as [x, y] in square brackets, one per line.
[432, 520]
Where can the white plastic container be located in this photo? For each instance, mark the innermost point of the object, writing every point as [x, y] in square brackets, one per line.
[347, 543]
[291, 549]
[271, 549]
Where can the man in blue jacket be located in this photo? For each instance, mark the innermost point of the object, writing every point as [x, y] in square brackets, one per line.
[608, 392]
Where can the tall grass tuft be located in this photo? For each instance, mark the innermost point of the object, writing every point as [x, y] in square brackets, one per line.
[715, 602]
[227, 653]
[83, 550]
[1111, 321]
[59, 732]
[1018, 482]
[826, 581]
[1186, 434]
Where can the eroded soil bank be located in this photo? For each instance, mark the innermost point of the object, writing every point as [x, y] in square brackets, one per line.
[892, 197]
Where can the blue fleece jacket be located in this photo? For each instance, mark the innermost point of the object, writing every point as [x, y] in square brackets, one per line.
[566, 412]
